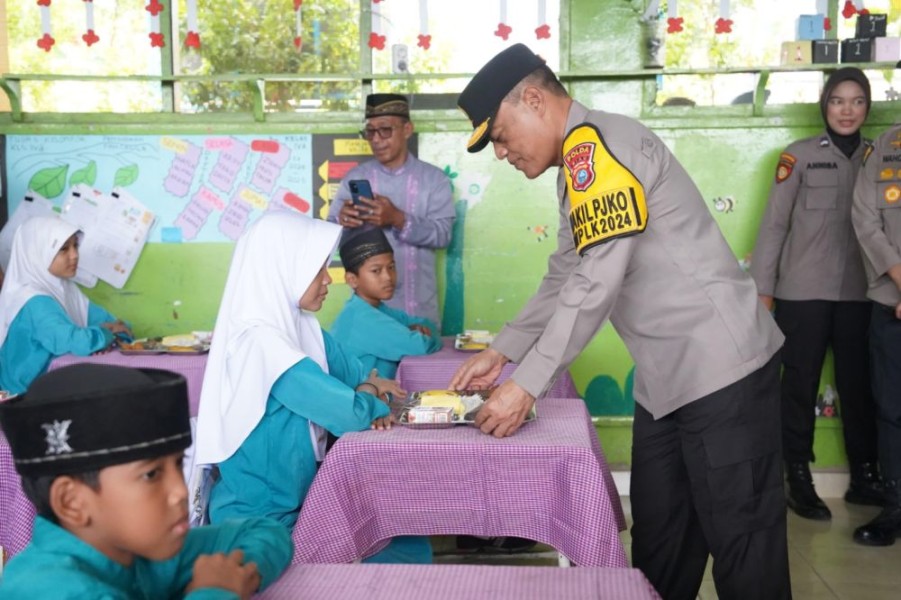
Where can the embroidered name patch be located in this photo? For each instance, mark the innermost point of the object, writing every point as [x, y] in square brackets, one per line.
[606, 200]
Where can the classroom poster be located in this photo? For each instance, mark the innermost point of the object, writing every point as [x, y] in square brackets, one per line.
[200, 188]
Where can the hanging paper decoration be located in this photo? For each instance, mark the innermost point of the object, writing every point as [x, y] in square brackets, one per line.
[157, 38]
[376, 39]
[503, 30]
[854, 7]
[192, 38]
[298, 39]
[673, 20]
[90, 38]
[543, 31]
[425, 40]
[724, 23]
[46, 41]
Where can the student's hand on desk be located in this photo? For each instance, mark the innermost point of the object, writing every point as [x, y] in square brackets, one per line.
[226, 572]
[421, 329]
[385, 386]
[479, 371]
[506, 409]
[117, 327]
[383, 423]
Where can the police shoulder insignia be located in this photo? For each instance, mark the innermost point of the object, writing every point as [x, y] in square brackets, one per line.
[784, 168]
[867, 152]
[606, 200]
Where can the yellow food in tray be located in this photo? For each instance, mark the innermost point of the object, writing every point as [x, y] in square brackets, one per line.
[443, 398]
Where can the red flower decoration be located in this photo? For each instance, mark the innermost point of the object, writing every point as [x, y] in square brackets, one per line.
[503, 31]
[543, 32]
[43, 2]
[192, 39]
[154, 7]
[849, 10]
[863, 11]
[425, 41]
[90, 38]
[297, 42]
[827, 24]
[297, 4]
[723, 26]
[828, 411]
[157, 40]
[674, 25]
[376, 41]
[376, 1]
[46, 42]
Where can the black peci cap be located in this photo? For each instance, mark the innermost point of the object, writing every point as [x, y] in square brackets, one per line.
[86, 417]
[483, 95]
[387, 105]
[358, 244]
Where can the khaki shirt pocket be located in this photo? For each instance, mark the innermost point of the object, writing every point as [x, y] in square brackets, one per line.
[821, 189]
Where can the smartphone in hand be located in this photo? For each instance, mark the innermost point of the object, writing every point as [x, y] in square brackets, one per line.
[359, 188]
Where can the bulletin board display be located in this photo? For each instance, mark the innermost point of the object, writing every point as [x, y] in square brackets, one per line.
[201, 188]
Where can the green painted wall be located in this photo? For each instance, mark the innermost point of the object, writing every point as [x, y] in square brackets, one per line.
[509, 223]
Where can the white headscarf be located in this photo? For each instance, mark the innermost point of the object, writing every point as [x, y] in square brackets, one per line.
[35, 245]
[260, 332]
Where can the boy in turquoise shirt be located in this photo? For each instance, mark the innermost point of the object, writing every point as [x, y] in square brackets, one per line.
[99, 449]
[380, 336]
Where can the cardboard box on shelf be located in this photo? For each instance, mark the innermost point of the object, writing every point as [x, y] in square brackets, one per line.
[870, 26]
[797, 53]
[887, 49]
[857, 50]
[825, 51]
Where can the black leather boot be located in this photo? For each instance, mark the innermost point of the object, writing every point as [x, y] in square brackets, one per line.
[801, 496]
[866, 485]
[883, 530]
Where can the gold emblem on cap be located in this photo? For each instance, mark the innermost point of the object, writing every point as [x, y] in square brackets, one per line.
[478, 133]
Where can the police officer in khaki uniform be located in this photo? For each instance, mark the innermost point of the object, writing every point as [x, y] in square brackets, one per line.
[808, 259]
[637, 245]
[876, 215]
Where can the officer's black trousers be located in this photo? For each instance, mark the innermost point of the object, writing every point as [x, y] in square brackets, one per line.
[707, 479]
[885, 342]
[810, 327]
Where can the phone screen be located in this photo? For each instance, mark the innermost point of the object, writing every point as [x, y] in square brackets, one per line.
[358, 188]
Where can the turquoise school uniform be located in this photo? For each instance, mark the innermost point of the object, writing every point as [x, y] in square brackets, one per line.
[273, 468]
[381, 336]
[59, 566]
[40, 332]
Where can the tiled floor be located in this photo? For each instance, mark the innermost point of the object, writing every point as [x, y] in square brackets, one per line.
[825, 563]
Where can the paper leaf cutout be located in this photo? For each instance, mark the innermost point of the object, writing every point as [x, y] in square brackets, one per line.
[49, 182]
[87, 175]
[126, 176]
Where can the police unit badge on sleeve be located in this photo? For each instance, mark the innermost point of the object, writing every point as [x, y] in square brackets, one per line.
[606, 200]
[785, 166]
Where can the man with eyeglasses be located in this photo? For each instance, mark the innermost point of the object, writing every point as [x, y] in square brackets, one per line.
[412, 203]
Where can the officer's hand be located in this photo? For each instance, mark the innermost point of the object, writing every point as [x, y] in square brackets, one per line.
[767, 301]
[898, 311]
[505, 410]
[479, 371]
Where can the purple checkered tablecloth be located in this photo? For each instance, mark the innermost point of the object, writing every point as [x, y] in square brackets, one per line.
[456, 582]
[16, 511]
[434, 372]
[548, 482]
[190, 366]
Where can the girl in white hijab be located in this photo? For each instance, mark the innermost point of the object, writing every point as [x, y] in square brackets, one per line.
[43, 314]
[275, 380]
